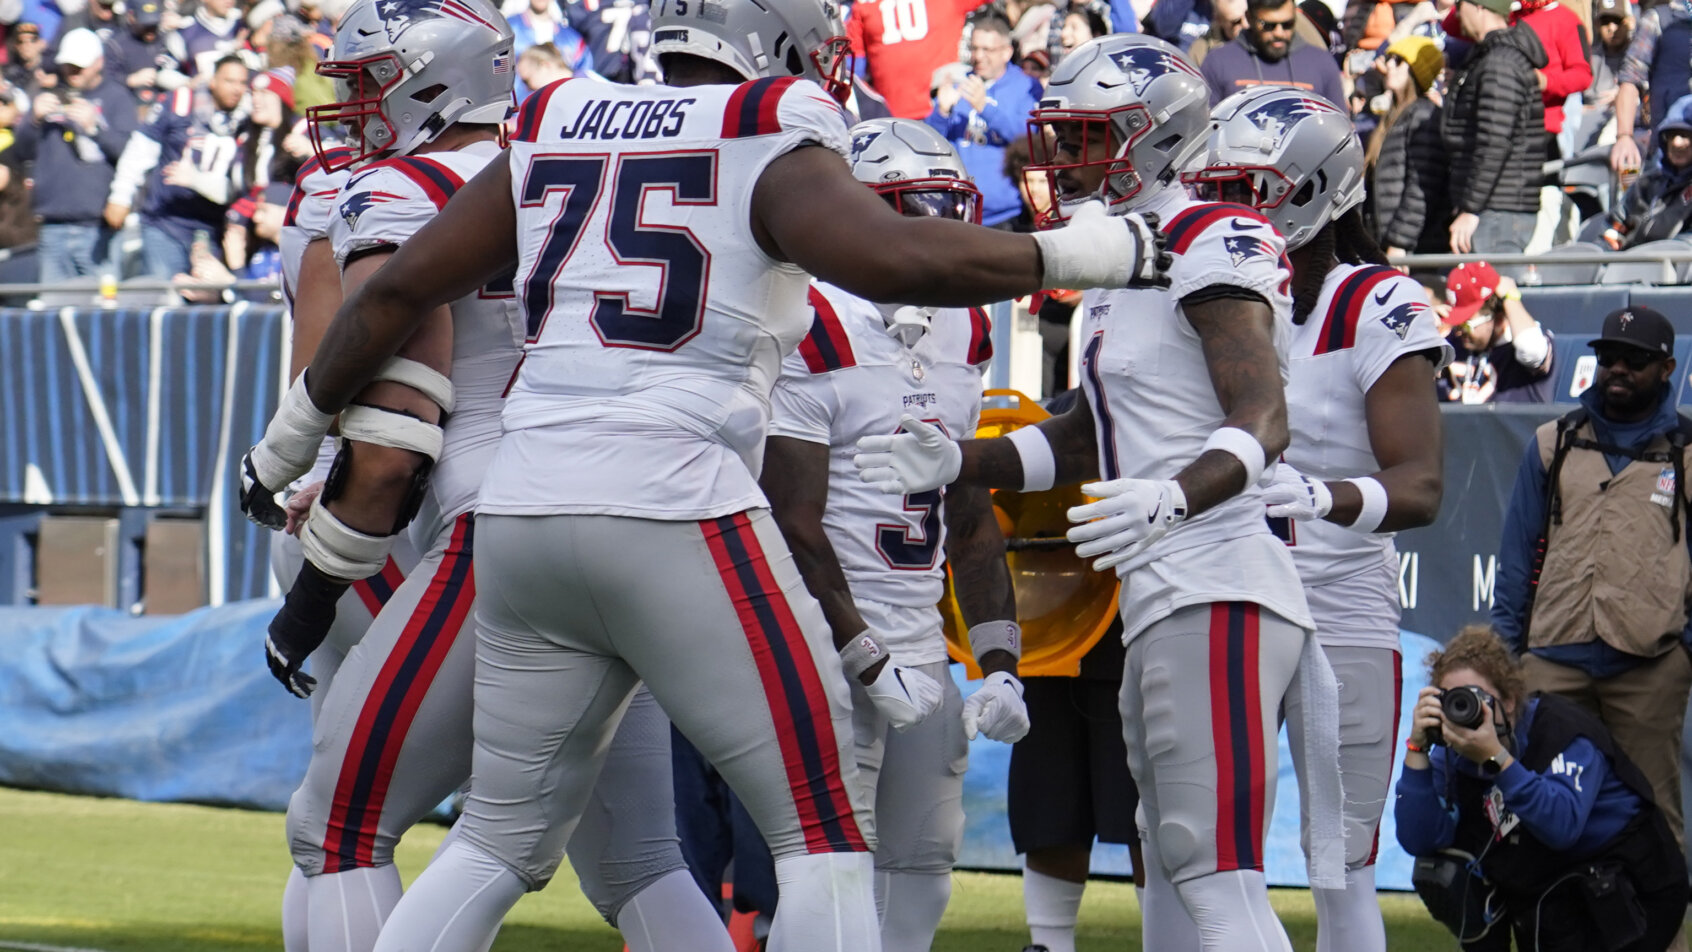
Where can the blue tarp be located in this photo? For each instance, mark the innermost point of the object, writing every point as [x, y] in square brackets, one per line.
[182, 708]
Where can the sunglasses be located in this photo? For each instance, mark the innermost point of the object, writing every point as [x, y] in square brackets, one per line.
[1634, 357]
[1273, 26]
[1393, 59]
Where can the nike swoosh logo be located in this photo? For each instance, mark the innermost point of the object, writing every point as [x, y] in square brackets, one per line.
[1381, 298]
[900, 677]
[1151, 518]
[1241, 224]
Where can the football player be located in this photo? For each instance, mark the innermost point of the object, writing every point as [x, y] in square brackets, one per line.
[1184, 411]
[874, 561]
[1365, 458]
[311, 289]
[661, 237]
[394, 736]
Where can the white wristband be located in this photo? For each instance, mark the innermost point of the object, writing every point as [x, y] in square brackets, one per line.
[1039, 466]
[1242, 446]
[862, 653]
[996, 636]
[1374, 509]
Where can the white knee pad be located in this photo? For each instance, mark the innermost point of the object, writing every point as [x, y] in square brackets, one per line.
[340, 551]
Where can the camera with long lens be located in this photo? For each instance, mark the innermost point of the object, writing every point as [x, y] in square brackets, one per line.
[1464, 706]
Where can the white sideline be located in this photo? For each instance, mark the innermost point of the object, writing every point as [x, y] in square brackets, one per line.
[37, 947]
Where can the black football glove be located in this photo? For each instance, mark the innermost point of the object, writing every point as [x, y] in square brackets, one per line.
[301, 625]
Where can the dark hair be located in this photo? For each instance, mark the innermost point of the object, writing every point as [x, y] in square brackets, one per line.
[993, 23]
[1345, 238]
[1258, 6]
[230, 58]
[1097, 21]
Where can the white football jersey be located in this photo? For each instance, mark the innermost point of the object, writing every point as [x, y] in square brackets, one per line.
[306, 220]
[850, 379]
[383, 204]
[1144, 374]
[1367, 317]
[656, 324]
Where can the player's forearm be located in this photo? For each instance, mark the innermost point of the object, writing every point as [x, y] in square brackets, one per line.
[942, 263]
[369, 328]
[820, 569]
[975, 550]
[1239, 354]
[1413, 489]
[997, 464]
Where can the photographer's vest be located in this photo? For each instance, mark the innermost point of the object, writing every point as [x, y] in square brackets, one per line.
[1520, 864]
[1612, 563]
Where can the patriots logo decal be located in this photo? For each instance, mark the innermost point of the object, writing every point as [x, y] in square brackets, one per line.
[1242, 248]
[1142, 64]
[354, 208]
[1399, 319]
[1277, 117]
[862, 141]
[397, 15]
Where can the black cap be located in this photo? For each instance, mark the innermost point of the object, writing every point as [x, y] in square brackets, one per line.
[146, 13]
[1611, 8]
[1640, 327]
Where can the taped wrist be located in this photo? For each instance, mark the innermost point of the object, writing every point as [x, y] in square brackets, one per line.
[996, 636]
[1039, 466]
[863, 652]
[338, 550]
[291, 440]
[1242, 446]
[1373, 513]
[1083, 257]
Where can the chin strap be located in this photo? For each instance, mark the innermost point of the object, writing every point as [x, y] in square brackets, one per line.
[905, 323]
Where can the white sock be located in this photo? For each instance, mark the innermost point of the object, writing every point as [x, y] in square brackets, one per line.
[1165, 924]
[672, 914]
[1350, 920]
[446, 841]
[345, 910]
[455, 905]
[915, 903]
[1052, 906]
[1140, 896]
[827, 904]
[1232, 912]
[294, 938]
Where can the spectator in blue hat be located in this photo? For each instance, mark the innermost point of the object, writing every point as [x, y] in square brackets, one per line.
[1656, 205]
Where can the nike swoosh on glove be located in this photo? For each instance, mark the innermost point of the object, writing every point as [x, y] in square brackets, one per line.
[917, 460]
[997, 710]
[1128, 517]
[1296, 496]
[905, 696]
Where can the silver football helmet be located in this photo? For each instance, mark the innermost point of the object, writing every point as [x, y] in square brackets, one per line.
[1292, 155]
[759, 38]
[1127, 102]
[915, 169]
[405, 70]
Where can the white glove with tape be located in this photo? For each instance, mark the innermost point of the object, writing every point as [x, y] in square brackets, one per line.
[1129, 516]
[917, 460]
[996, 709]
[1099, 250]
[1296, 496]
[905, 696]
[286, 452]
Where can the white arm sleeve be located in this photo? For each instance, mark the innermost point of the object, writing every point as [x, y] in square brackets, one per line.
[140, 155]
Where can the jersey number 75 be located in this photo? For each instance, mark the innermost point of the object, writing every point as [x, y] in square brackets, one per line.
[683, 264]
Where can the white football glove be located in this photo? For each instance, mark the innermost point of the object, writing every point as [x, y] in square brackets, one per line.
[285, 453]
[1099, 250]
[903, 695]
[1130, 515]
[997, 710]
[917, 460]
[1296, 496]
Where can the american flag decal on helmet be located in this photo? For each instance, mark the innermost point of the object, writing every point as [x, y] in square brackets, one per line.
[502, 62]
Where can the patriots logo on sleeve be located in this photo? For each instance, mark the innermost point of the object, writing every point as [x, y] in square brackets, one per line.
[1399, 319]
[354, 207]
[1242, 248]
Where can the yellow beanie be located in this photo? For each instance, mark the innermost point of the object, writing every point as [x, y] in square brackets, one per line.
[1425, 59]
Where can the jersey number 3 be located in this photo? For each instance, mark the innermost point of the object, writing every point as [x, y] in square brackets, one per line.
[913, 548]
[683, 264]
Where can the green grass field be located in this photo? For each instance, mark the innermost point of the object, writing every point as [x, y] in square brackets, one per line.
[120, 876]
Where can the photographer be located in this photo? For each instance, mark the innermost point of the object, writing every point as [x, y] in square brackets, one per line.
[1531, 794]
